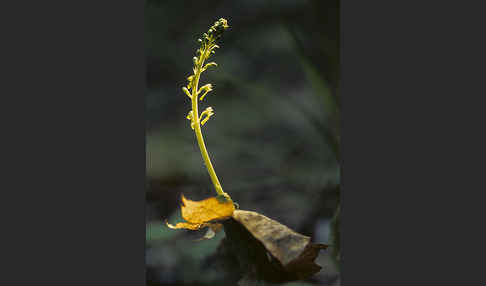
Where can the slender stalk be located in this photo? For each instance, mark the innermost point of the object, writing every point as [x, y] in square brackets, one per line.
[197, 127]
[208, 44]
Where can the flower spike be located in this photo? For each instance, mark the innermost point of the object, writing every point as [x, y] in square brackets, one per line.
[208, 45]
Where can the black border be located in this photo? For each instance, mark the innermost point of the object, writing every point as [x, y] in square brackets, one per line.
[75, 155]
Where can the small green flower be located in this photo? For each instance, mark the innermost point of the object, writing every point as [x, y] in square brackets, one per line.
[208, 113]
[206, 88]
[218, 28]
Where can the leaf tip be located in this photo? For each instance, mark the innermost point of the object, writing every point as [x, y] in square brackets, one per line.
[169, 225]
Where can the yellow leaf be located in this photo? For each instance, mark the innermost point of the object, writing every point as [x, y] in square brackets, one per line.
[197, 212]
[184, 225]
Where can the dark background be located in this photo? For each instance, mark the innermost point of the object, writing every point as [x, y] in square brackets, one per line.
[274, 138]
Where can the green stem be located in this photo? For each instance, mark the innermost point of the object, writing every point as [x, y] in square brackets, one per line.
[197, 129]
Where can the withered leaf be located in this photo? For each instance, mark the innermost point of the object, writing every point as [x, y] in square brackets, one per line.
[199, 214]
[206, 210]
[304, 266]
[279, 253]
[185, 225]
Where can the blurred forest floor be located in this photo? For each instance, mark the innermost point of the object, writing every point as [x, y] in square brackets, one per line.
[274, 138]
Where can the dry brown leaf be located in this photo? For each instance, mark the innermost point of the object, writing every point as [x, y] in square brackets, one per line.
[282, 242]
[198, 214]
[304, 266]
[293, 252]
